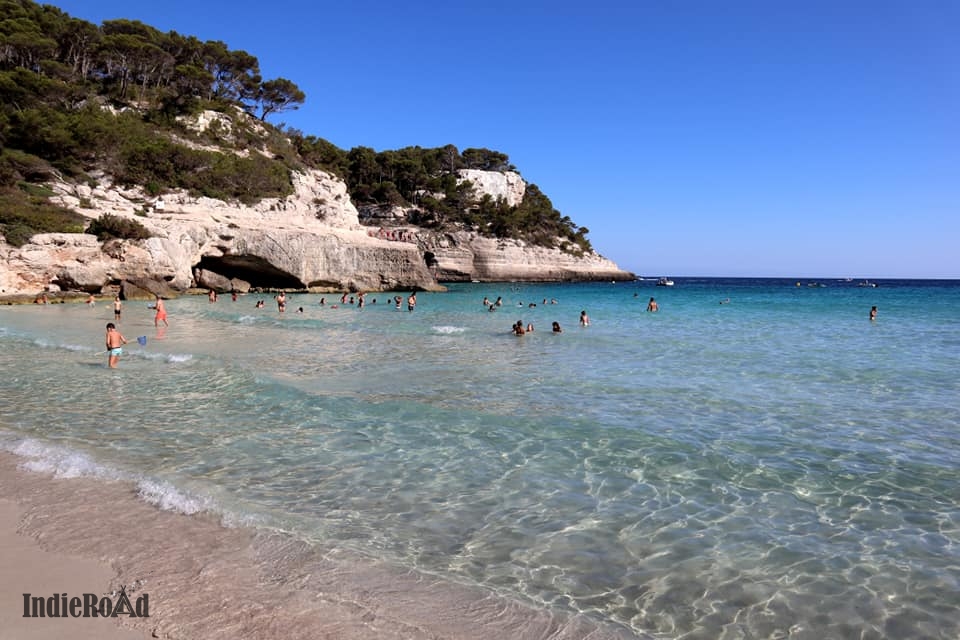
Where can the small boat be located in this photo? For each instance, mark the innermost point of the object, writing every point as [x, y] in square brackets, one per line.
[867, 283]
[664, 282]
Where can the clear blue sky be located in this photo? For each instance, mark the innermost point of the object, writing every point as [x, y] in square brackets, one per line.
[692, 137]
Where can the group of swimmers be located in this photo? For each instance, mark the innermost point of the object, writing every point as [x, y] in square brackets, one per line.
[519, 329]
[115, 340]
[360, 301]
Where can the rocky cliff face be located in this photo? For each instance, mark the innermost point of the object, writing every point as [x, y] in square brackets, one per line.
[311, 240]
[468, 256]
[506, 185]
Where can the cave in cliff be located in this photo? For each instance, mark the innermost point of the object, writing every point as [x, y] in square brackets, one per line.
[253, 269]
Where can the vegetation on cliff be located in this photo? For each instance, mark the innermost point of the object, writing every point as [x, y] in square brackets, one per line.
[77, 99]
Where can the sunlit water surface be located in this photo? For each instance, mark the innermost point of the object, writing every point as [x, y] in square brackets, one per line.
[755, 460]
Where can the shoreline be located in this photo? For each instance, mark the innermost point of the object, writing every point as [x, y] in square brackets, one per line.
[206, 580]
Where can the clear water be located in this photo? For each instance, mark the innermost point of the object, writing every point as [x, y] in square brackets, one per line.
[774, 466]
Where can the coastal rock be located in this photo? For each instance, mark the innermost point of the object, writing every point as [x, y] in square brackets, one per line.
[311, 240]
[508, 186]
[389, 215]
[466, 256]
[505, 185]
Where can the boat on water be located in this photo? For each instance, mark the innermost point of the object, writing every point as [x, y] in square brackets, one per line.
[664, 282]
[866, 283]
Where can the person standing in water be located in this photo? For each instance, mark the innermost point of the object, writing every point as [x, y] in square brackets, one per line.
[873, 313]
[584, 319]
[115, 342]
[117, 308]
[652, 306]
[161, 313]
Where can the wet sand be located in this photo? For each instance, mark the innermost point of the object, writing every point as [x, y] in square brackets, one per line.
[27, 568]
[204, 580]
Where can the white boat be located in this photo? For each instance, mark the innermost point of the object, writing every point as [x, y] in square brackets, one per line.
[664, 282]
[867, 283]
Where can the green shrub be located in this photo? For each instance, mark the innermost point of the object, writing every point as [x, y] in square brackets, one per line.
[22, 216]
[36, 190]
[15, 166]
[17, 234]
[109, 226]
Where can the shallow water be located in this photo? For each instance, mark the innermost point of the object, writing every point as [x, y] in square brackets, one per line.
[773, 466]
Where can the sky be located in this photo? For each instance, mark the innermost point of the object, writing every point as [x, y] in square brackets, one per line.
[778, 138]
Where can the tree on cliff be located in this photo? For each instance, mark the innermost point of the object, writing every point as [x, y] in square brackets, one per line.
[77, 98]
[279, 95]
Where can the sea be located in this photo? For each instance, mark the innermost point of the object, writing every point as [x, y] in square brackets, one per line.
[757, 459]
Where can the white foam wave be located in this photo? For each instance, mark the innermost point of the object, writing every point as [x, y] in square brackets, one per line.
[169, 358]
[64, 463]
[167, 497]
[449, 329]
[58, 461]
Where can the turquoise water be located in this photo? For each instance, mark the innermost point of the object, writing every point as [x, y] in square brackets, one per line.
[774, 466]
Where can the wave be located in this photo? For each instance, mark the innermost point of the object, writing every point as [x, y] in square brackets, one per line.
[60, 462]
[63, 463]
[167, 497]
[449, 329]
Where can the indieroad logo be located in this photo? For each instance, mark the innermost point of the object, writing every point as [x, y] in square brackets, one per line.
[89, 606]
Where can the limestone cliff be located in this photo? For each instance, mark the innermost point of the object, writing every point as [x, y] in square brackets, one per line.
[311, 240]
[314, 239]
[468, 256]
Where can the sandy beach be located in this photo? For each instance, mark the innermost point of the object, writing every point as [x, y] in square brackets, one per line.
[27, 568]
[204, 580]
